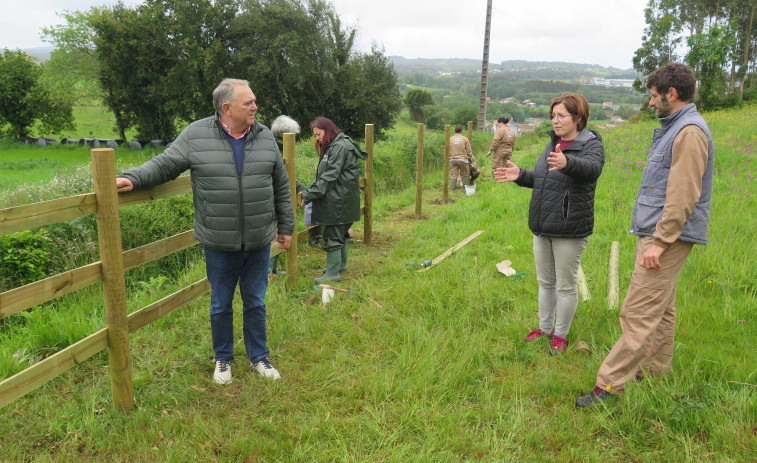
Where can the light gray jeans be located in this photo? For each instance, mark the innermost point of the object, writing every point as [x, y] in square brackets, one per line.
[557, 261]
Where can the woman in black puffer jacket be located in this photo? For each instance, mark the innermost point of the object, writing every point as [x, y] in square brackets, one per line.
[561, 212]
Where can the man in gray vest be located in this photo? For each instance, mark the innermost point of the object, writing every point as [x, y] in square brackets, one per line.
[671, 214]
[240, 191]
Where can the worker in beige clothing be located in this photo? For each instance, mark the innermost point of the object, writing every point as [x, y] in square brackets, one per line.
[671, 214]
[503, 144]
[460, 158]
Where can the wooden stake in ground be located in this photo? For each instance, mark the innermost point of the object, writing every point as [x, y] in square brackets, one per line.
[449, 251]
[583, 288]
[612, 278]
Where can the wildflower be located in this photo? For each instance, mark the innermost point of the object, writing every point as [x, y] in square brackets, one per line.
[742, 321]
[608, 387]
[709, 281]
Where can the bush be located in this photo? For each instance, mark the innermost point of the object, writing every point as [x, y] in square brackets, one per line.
[25, 257]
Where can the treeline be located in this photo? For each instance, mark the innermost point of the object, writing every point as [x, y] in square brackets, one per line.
[454, 99]
[155, 65]
[716, 38]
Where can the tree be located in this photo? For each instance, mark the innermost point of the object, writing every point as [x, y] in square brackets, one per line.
[462, 114]
[368, 94]
[716, 39]
[301, 62]
[660, 40]
[710, 52]
[160, 61]
[24, 100]
[415, 100]
[436, 116]
[74, 64]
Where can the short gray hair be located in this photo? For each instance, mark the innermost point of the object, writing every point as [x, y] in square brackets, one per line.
[284, 124]
[224, 93]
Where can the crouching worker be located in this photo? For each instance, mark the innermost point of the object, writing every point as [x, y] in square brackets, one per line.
[335, 193]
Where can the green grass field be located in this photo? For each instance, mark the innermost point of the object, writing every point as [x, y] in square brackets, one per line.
[438, 372]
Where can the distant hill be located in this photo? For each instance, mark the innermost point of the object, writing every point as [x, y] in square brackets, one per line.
[515, 69]
[42, 54]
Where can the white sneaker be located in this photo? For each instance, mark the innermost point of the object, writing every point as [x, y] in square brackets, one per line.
[222, 375]
[265, 369]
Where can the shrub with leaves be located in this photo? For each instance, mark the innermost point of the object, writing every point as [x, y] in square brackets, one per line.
[25, 258]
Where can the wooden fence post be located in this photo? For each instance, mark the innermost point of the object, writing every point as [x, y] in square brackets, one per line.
[114, 285]
[289, 162]
[419, 171]
[470, 139]
[445, 185]
[368, 204]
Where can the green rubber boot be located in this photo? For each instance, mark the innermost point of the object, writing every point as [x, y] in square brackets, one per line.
[344, 253]
[453, 185]
[465, 182]
[333, 261]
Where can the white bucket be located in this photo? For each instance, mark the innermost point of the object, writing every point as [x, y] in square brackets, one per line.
[470, 190]
[327, 295]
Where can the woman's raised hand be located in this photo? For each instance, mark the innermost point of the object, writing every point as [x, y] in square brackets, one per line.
[507, 174]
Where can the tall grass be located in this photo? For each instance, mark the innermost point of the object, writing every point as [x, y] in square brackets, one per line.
[438, 371]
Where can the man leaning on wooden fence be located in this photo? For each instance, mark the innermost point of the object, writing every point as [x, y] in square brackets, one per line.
[240, 190]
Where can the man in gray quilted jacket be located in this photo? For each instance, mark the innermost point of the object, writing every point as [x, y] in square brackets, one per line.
[240, 190]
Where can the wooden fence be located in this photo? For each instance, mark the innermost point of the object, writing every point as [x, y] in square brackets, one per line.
[105, 202]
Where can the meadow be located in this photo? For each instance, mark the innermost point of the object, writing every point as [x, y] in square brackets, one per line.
[422, 367]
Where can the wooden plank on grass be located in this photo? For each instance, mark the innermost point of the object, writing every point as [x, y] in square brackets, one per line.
[41, 372]
[449, 251]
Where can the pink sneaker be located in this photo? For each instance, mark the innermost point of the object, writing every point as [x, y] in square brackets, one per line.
[559, 345]
[537, 333]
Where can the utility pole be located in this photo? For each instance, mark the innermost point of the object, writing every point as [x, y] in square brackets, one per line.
[485, 68]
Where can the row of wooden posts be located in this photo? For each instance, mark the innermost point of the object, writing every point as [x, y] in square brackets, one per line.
[105, 203]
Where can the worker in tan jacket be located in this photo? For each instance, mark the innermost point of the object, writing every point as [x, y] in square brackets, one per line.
[460, 158]
[502, 144]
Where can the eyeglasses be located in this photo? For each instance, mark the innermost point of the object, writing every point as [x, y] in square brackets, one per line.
[559, 117]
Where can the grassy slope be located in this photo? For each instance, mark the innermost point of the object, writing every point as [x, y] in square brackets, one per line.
[439, 372]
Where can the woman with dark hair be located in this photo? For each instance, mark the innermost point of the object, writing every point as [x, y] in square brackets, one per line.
[335, 192]
[561, 212]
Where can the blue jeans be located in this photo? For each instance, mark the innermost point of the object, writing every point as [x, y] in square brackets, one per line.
[250, 269]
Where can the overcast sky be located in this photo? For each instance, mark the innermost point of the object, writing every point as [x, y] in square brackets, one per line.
[603, 32]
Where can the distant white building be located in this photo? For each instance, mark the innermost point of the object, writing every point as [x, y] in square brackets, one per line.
[612, 82]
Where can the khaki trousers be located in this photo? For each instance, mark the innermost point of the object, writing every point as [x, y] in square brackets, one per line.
[648, 320]
[500, 159]
[458, 170]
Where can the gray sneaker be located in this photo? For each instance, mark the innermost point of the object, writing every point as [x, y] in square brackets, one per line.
[596, 395]
[265, 369]
[222, 373]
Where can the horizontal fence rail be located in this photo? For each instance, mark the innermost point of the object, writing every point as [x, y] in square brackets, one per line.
[114, 337]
